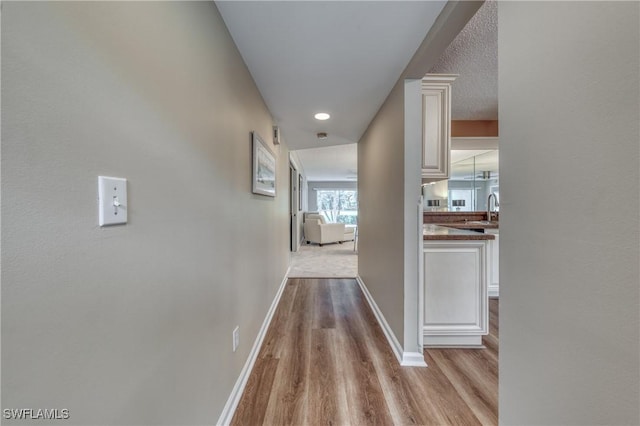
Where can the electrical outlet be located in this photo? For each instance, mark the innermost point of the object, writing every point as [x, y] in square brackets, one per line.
[236, 338]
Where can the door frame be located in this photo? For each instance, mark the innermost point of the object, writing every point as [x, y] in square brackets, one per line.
[293, 208]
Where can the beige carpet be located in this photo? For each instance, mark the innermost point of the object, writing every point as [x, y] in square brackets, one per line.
[330, 260]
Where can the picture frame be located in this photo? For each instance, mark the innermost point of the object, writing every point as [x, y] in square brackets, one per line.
[264, 167]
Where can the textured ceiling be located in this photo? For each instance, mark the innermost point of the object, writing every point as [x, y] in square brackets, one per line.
[473, 55]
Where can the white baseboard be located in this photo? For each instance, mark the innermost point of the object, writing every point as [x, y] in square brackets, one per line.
[391, 337]
[234, 398]
[494, 292]
[406, 359]
[466, 341]
[413, 359]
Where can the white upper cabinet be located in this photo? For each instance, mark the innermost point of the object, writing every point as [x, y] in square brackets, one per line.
[436, 125]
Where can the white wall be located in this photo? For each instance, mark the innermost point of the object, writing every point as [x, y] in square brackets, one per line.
[313, 186]
[131, 324]
[569, 308]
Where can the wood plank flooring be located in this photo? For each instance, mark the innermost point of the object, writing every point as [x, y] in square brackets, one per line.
[325, 361]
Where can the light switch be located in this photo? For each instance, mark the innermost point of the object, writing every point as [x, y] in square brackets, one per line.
[112, 200]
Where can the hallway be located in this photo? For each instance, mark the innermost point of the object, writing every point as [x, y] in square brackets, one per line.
[325, 360]
[328, 261]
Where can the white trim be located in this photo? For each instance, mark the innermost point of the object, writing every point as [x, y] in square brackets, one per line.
[413, 359]
[420, 274]
[412, 229]
[469, 341]
[494, 292]
[406, 359]
[234, 398]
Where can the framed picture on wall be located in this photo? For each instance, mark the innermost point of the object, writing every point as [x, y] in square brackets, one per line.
[299, 193]
[264, 168]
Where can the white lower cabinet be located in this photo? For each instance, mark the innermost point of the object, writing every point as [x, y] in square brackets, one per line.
[494, 262]
[455, 293]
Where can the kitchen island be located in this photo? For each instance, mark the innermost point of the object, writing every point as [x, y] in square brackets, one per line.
[475, 221]
[455, 275]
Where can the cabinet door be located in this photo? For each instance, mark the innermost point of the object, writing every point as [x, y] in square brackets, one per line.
[455, 291]
[436, 125]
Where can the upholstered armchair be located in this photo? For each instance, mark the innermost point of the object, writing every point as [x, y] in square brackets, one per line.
[316, 230]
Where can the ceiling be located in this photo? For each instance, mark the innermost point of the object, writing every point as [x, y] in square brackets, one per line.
[330, 163]
[340, 57]
[473, 54]
[343, 57]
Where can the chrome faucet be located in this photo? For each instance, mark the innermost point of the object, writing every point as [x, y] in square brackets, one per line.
[497, 204]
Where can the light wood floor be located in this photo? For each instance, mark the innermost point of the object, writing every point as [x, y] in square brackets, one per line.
[325, 360]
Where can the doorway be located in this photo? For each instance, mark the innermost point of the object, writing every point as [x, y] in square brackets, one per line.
[293, 208]
[327, 201]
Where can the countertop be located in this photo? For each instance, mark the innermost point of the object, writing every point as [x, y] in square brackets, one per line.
[471, 225]
[442, 233]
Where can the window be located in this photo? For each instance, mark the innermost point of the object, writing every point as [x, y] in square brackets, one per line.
[338, 205]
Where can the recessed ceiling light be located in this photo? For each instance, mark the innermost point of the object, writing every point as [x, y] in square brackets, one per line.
[322, 116]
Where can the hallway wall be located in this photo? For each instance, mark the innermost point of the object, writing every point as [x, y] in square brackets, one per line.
[389, 179]
[381, 210]
[569, 278]
[131, 324]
